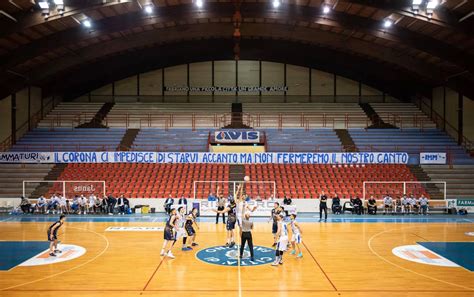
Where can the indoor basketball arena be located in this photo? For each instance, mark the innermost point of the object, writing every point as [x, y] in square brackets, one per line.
[237, 148]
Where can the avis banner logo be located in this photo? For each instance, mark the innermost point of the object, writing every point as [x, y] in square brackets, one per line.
[219, 255]
[237, 136]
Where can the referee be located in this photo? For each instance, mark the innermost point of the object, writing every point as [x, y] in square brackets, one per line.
[246, 236]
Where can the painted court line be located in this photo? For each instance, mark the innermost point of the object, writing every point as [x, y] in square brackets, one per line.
[369, 243]
[322, 270]
[67, 270]
[153, 275]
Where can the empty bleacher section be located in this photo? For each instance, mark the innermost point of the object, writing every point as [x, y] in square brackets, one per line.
[459, 179]
[13, 175]
[70, 114]
[306, 115]
[171, 140]
[299, 140]
[151, 180]
[216, 115]
[412, 140]
[67, 139]
[307, 181]
[167, 115]
[402, 115]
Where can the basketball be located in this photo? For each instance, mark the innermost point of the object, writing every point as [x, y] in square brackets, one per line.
[246, 178]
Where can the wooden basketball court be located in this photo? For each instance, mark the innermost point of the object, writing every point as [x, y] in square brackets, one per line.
[340, 259]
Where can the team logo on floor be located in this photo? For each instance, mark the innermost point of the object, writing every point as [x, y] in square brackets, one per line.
[68, 252]
[420, 254]
[220, 255]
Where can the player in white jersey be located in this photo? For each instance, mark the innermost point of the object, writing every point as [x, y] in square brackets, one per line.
[413, 204]
[91, 204]
[388, 204]
[241, 206]
[295, 236]
[63, 205]
[181, 231]
[405, 204]
[282, 242]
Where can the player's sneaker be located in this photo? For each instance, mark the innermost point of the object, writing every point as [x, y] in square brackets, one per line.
[162, 253]
[232, 244]
[170, 255]
[227, 245]
[57, 251]
[194, 244]
[52, 254]
[292, 252]
[275, 263]
[300, 255]
[281, 262]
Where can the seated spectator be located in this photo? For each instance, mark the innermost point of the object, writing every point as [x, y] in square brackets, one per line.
[111, 202]
[53, 204]
[423, 205]
[398, 205]
[247, 198]
[387, 204]
[63, 205]
[211, 197]
[82, 205]
[336, 204]
[25, 205]
[75, 206]
[41, 205]
[98, 205]
[105, 204]
[91, 203]
[123, 205]
[372, 206]
[413, 204]
[348, 206]
[358, 206]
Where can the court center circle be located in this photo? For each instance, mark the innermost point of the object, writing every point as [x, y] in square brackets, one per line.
[224, 256]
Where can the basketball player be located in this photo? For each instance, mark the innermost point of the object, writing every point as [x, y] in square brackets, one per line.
[53, 236]
[231, 211]
[282, 237]
[296, 236]
[180, 231]
[242, 206]
[190, 222]
[275, 212]
[170, 234]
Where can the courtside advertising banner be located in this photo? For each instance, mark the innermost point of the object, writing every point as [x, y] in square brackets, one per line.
[433, 158]
[352, 158]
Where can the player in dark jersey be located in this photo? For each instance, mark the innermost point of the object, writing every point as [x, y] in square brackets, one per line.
[53, 236]
[170, 234]
[275, 212]
[323, 199]
[189, 226]
[231, 210]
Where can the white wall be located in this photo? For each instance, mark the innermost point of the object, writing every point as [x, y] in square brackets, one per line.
[302, 82]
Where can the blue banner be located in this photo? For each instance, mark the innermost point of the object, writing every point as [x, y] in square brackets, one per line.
[206, 158]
